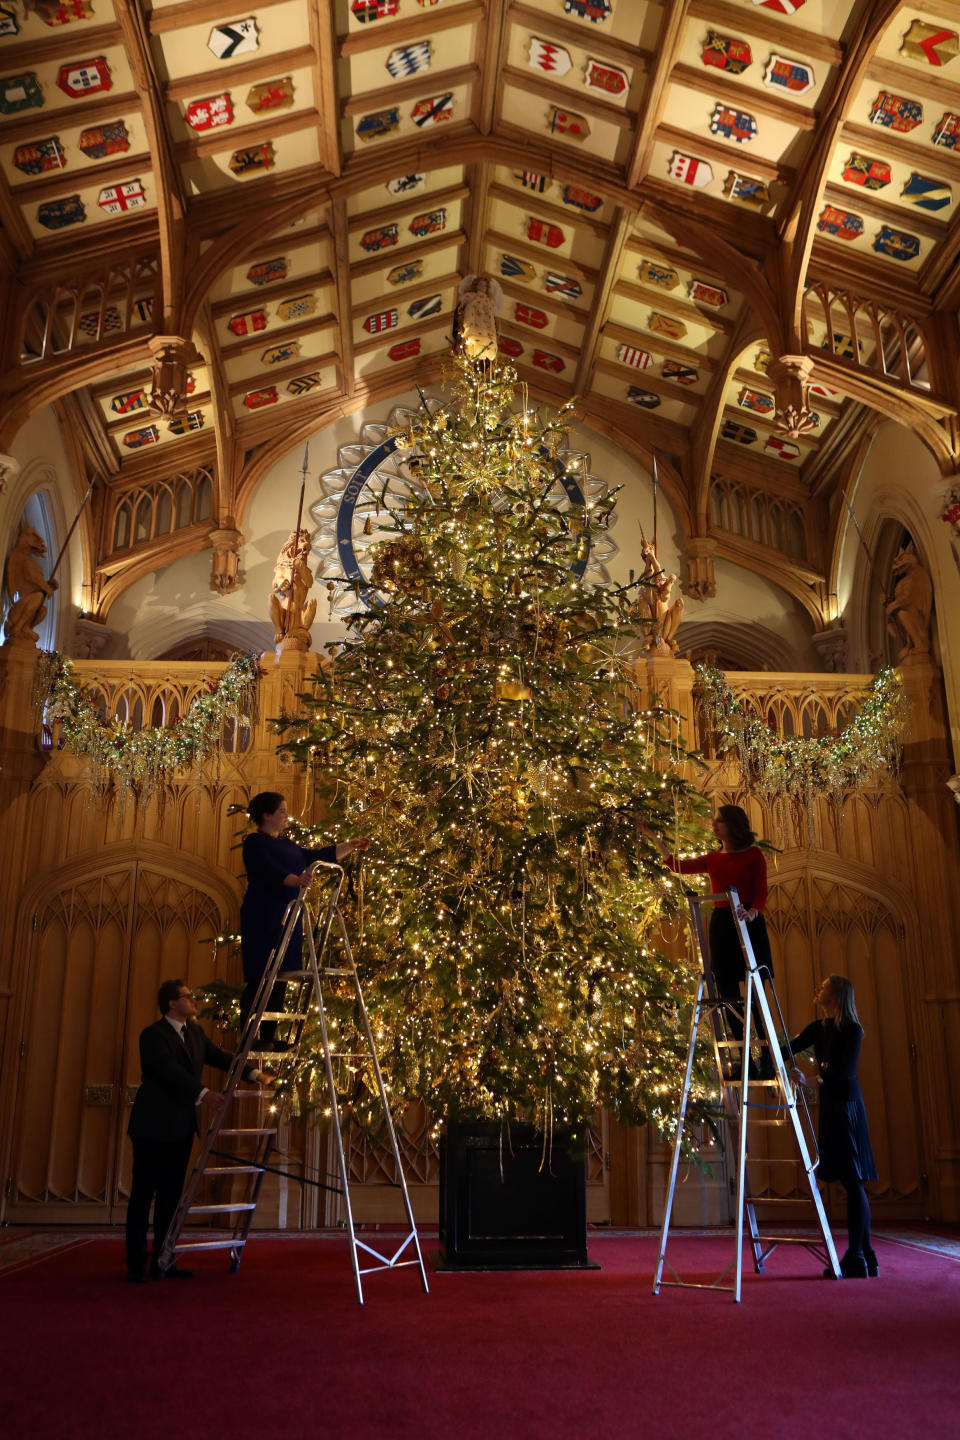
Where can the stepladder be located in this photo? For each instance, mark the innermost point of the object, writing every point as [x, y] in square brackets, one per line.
[289, 1021]
[764, 1120]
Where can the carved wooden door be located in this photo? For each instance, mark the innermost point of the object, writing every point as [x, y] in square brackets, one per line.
[98, 947]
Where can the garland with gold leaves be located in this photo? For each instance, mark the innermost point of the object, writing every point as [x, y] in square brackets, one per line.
[800, 769]
[143, 761]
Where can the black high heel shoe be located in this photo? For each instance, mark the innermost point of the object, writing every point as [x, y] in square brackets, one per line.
[873, 1267]
[852, 1267]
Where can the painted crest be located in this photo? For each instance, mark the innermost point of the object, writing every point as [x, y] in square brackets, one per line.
[931, 43]
[128, 402]
[545, 55]
[407, 184]
[762, 362]
[280, 354]
[682, 374]
[755, 400]
[256, 399]
[247, 323]
[594, 10]
[782, 7]
[509, 347]
[726, 52]
[136, 439]
[253, 158]
[746, 190]
[403, 274]
[842, 224]
[532, 180]
[143, 309]
[568, 122]
[431, 222]
[384, 320]
[210, 113]
[862, 170]
[515, 269]
[609, 79]
[734, 124]
[527, 315]
[93, 324]
[369, 10]
[703, 294]
[266, 272]
[666, 325]
[58, 214]
[433, 111]
[428, 305]
[689, 170]
[378, 123]
[380, 239]
[926, 193]
[651, 272]
[409, 59]
[894, 112]
[646, 399]
[896, 244]
[297, 309]
[545, 360]
[9, 24]
[86, 77]
[947, 131]
[236, 38]
[792, 75]
[545, 233]
[20, 92]
[303, 384]
[271, 95]
[631, 355]
[404, 349]
[739, 434]
[101, 140]
[66, 12]
[41, 157]
[115, 199]
[183, 424]
[582, 199]
[557, 284]
[842, 345]
[781, 449]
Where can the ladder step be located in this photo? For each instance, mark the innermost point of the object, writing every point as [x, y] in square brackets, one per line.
[217, 1170]
[208, 1245]
[248, 1131]
[220, 1209]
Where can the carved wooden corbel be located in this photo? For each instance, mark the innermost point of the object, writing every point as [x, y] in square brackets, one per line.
[172, 359]
[225, 571]
[701, 581]
[791, 378]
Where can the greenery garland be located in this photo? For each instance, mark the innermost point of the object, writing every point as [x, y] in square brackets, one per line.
[144, 761]
[799, 769]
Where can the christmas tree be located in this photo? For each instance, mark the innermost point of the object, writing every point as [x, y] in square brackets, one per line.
[482, 724]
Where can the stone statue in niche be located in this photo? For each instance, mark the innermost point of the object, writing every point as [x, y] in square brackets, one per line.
[656, 607]
[910, 603]
[290, 610]
[479, 304]
[26, 586]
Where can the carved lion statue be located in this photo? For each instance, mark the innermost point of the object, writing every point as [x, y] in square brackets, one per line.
[911, 601]
[290, 610]
[26, 586]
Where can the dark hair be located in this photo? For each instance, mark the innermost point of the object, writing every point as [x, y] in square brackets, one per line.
[738, 825]
[168, 992]
[846, 1007]
[263, 805]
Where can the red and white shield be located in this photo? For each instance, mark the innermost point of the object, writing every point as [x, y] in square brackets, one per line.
[545, 55]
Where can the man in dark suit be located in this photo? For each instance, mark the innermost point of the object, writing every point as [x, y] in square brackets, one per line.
[164, 1119]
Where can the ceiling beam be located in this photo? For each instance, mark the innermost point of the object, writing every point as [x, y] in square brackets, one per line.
[655, 98]
[620, 231]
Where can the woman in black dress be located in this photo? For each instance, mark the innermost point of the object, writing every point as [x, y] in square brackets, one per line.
[277, 870]
[845, 1153]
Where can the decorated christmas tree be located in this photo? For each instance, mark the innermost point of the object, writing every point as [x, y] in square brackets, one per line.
[482, 722]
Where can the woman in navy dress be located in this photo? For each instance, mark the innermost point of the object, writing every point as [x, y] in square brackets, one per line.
[845, 1153]
[277, 870]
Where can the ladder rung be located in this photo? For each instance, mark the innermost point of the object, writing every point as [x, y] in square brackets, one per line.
[248, 1131]
[220, 1209]
[208, 1245]
[218, 1170]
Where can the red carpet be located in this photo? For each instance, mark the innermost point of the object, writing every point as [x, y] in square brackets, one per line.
[282, 1349]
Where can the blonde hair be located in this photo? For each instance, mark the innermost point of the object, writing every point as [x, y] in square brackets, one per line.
[846, 1006]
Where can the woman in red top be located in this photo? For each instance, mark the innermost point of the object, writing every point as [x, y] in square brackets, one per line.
[739, 863]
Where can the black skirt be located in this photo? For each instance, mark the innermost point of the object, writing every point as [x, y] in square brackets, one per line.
[845, 1152]
[726, 956]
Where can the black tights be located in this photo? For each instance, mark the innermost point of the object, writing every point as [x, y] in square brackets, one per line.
[858, 1218]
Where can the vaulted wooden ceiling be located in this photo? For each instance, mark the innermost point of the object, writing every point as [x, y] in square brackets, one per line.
[673, 195]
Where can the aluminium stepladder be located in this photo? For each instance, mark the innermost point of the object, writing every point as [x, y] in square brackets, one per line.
[248, 1170]
[742, 1110]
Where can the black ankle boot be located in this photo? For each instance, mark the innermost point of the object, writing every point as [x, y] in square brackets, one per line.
[873, 1267]
[853, 1266]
